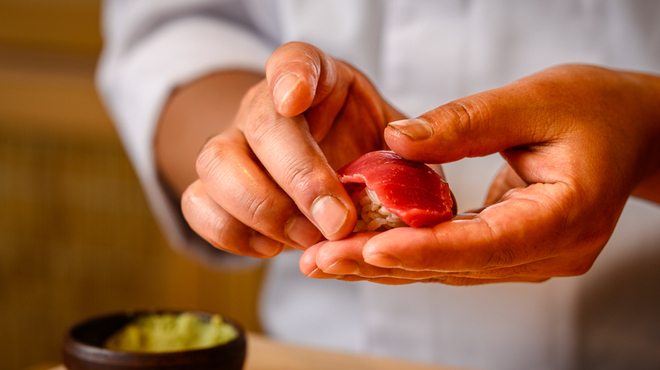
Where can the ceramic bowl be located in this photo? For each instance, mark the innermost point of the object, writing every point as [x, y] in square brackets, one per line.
[83, 349]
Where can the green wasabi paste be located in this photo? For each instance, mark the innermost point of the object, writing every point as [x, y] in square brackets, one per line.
[171, 332]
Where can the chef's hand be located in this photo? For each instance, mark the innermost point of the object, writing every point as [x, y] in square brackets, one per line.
[269, 180]
[579, 140]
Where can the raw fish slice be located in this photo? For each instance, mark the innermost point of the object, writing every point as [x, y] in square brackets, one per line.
[412, 191]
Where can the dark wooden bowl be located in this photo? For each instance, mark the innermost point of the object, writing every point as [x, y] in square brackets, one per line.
[83, 349]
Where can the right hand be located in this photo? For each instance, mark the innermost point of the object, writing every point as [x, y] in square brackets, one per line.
[269, 180]
[578, 139]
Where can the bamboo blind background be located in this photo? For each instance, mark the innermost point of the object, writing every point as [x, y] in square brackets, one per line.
[76, 235]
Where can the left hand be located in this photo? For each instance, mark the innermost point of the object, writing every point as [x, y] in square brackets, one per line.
[579, 140]
[269, 180]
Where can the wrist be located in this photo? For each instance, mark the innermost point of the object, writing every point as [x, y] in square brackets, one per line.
[194, 113]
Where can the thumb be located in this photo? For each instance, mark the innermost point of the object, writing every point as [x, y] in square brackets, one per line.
[477, 125]
[299, 75]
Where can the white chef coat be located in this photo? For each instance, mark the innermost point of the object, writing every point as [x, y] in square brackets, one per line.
[419, 54]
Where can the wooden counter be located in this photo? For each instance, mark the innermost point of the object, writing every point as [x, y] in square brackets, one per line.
[266, 354]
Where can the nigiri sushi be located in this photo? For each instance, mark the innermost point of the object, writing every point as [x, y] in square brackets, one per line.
[389, 191]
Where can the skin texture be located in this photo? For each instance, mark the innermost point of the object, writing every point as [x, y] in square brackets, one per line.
[579, 140]
[265, 183]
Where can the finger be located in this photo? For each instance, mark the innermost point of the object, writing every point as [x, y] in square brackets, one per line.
[291, 156]
[513, 116]
[505, 180]
[307, 262]
[344, 257]
[238, 184]
[308, 266]
[299, 75]
[303, 79]
[221, 229]
[318, 258]
[519, 230]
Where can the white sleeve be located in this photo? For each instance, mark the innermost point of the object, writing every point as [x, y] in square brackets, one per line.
[150, 48]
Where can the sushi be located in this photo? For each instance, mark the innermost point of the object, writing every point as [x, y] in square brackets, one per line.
[389, 191]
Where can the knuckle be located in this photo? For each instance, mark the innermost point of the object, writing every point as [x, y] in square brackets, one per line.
[464, 114]
[260, 126]
[211, 158]
[230, 235]
[187, 206]
[192, 205]
[259, 210]
[259, 130]
[298, 175]
[221, 233]
[253, 106]
[219, 237]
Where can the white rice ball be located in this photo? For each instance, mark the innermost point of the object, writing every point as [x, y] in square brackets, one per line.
[372, 216]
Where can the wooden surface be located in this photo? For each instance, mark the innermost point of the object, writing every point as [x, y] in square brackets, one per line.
[266, 354]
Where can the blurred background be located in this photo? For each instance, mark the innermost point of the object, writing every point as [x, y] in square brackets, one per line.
[76, 235]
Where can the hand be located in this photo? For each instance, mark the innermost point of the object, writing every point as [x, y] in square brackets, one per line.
[269, 180]
[578, 140]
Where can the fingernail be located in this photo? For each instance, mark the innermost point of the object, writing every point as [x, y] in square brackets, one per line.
[265, 245]
[329, 213]
[286, 85]
[343, 267]
[416, 129]
[383, 260]
[301, 231]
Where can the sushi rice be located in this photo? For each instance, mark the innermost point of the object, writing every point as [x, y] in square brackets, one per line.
[372, 216]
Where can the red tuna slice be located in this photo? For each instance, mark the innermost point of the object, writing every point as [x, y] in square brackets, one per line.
[410, 190]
